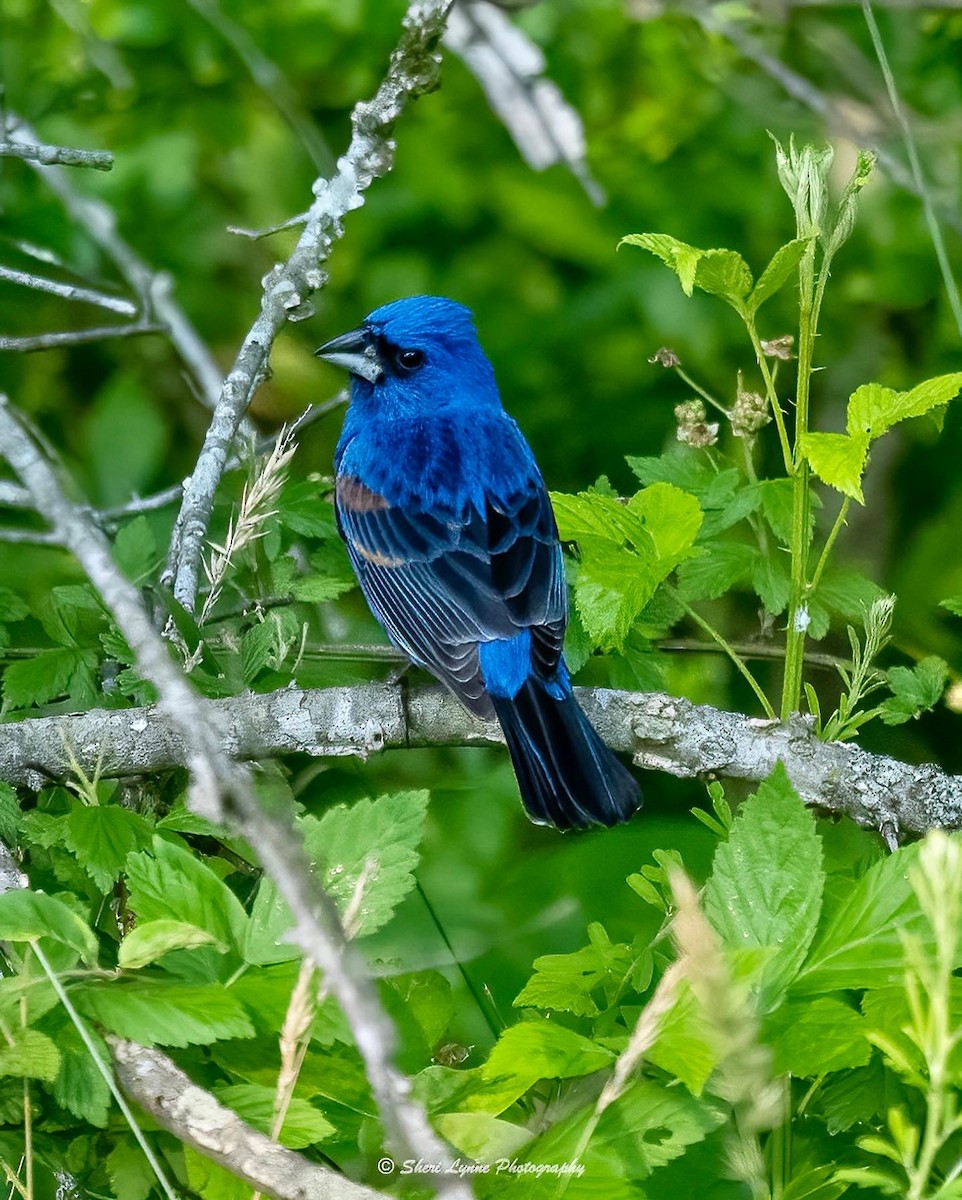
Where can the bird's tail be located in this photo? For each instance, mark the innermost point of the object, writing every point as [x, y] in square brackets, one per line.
[567, 775]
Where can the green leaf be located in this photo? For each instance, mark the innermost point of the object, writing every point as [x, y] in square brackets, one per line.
[43, 677]
[771, 581]
[30, 1055]
[12, 607]
[953, 604]
[813, 1037]
[9, 814]
[915, 690]
[873, 409]
[777, 273]
[481, 1135]
[570, 982]
[79, 1086]
[765, 889]
[318, 589]
[126, 436]
[25, 915]
[306, 508]
[376, 839]
[135, 550]
[712, 574]
[152, 940]
[860, 945]
[627, 550]
[723, 273]
[129, 1172]
[533, 1050]
[102, 836]
[163, 1011]
[686, 1043]
[170, 883]
[304, 1125]
[838, 459]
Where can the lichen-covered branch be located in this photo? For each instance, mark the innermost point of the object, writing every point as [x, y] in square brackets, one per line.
[662, 733]
[198, 1119]
[413, 70]
[222, 789]
[65, 156]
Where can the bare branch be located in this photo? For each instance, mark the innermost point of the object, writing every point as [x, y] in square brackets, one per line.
[222, 790]
[413, 70]
[68, 291]
[155, 288]
[511, 70]
[14, 496]
[78, 337]
[663, 733]
[194, 1116]
[65, 156]
[29, 537]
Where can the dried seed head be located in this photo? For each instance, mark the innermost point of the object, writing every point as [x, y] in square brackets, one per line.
[693, 429]
[665, 358]
[780, 347]
[749, 413]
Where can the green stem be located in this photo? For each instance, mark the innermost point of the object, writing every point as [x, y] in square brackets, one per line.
[105, 1071]
[829, 543]
[729, 650]
[770, 393]
[798, 587]
[707, 396]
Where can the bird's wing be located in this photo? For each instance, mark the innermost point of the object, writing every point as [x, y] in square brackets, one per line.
[443, 581]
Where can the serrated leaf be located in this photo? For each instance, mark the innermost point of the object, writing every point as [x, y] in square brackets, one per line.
[481, 1135]
[130, 1174]
[533, 1050]
[709, 575]
[915, 689]
[102, 836]
[783, 263]
[873, 409]
[9, 814]
[765, 889]
[813, 1037]
[43, 677]
[953, 604]
[12, 607]
[570, 982]
[771, 581]
[30, 1055]
[163, 1011]
[306, 508]
[170, 883]
[722, 273]
[374, 838]
[135, 550]
[304, 1125]
[25, 915]
[838, 459]
[147, 942]
[79, 1086]
[860, 945]
[686, 1044]
[318, 589]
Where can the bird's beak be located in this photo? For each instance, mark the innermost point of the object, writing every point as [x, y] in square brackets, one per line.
[356, 352]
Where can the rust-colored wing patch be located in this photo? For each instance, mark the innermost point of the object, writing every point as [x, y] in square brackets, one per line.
[356, 497]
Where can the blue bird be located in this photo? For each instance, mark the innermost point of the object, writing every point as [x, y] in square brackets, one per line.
[450, 531]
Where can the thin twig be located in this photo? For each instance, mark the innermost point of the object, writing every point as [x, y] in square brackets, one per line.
[413, 70]
[222, 790]
[64, 156]
[68, 291]
[78, 337]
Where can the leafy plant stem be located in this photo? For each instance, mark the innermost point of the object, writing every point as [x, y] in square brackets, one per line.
[829, 543]
[798, 588]
[27, 1117]
[108, 1075]
[771, 393]
[728, 649]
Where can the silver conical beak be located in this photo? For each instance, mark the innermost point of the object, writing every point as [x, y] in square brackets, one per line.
[355, 352]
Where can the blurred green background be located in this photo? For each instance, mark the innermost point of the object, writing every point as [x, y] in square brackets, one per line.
[676, 102]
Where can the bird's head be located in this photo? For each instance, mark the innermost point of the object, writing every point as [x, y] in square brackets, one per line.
[422, 351]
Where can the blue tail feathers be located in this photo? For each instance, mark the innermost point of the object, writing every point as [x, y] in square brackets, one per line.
[567, 775]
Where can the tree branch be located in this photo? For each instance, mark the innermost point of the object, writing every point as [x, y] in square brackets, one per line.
[197, 1118]
[66, 156]
[663, 733]
[155, 288]
[413, 71]
[78, 337]
[511, 70]
[68, 291]
[222, 790]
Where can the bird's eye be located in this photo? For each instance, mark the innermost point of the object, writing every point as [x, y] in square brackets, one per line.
[410, 360]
